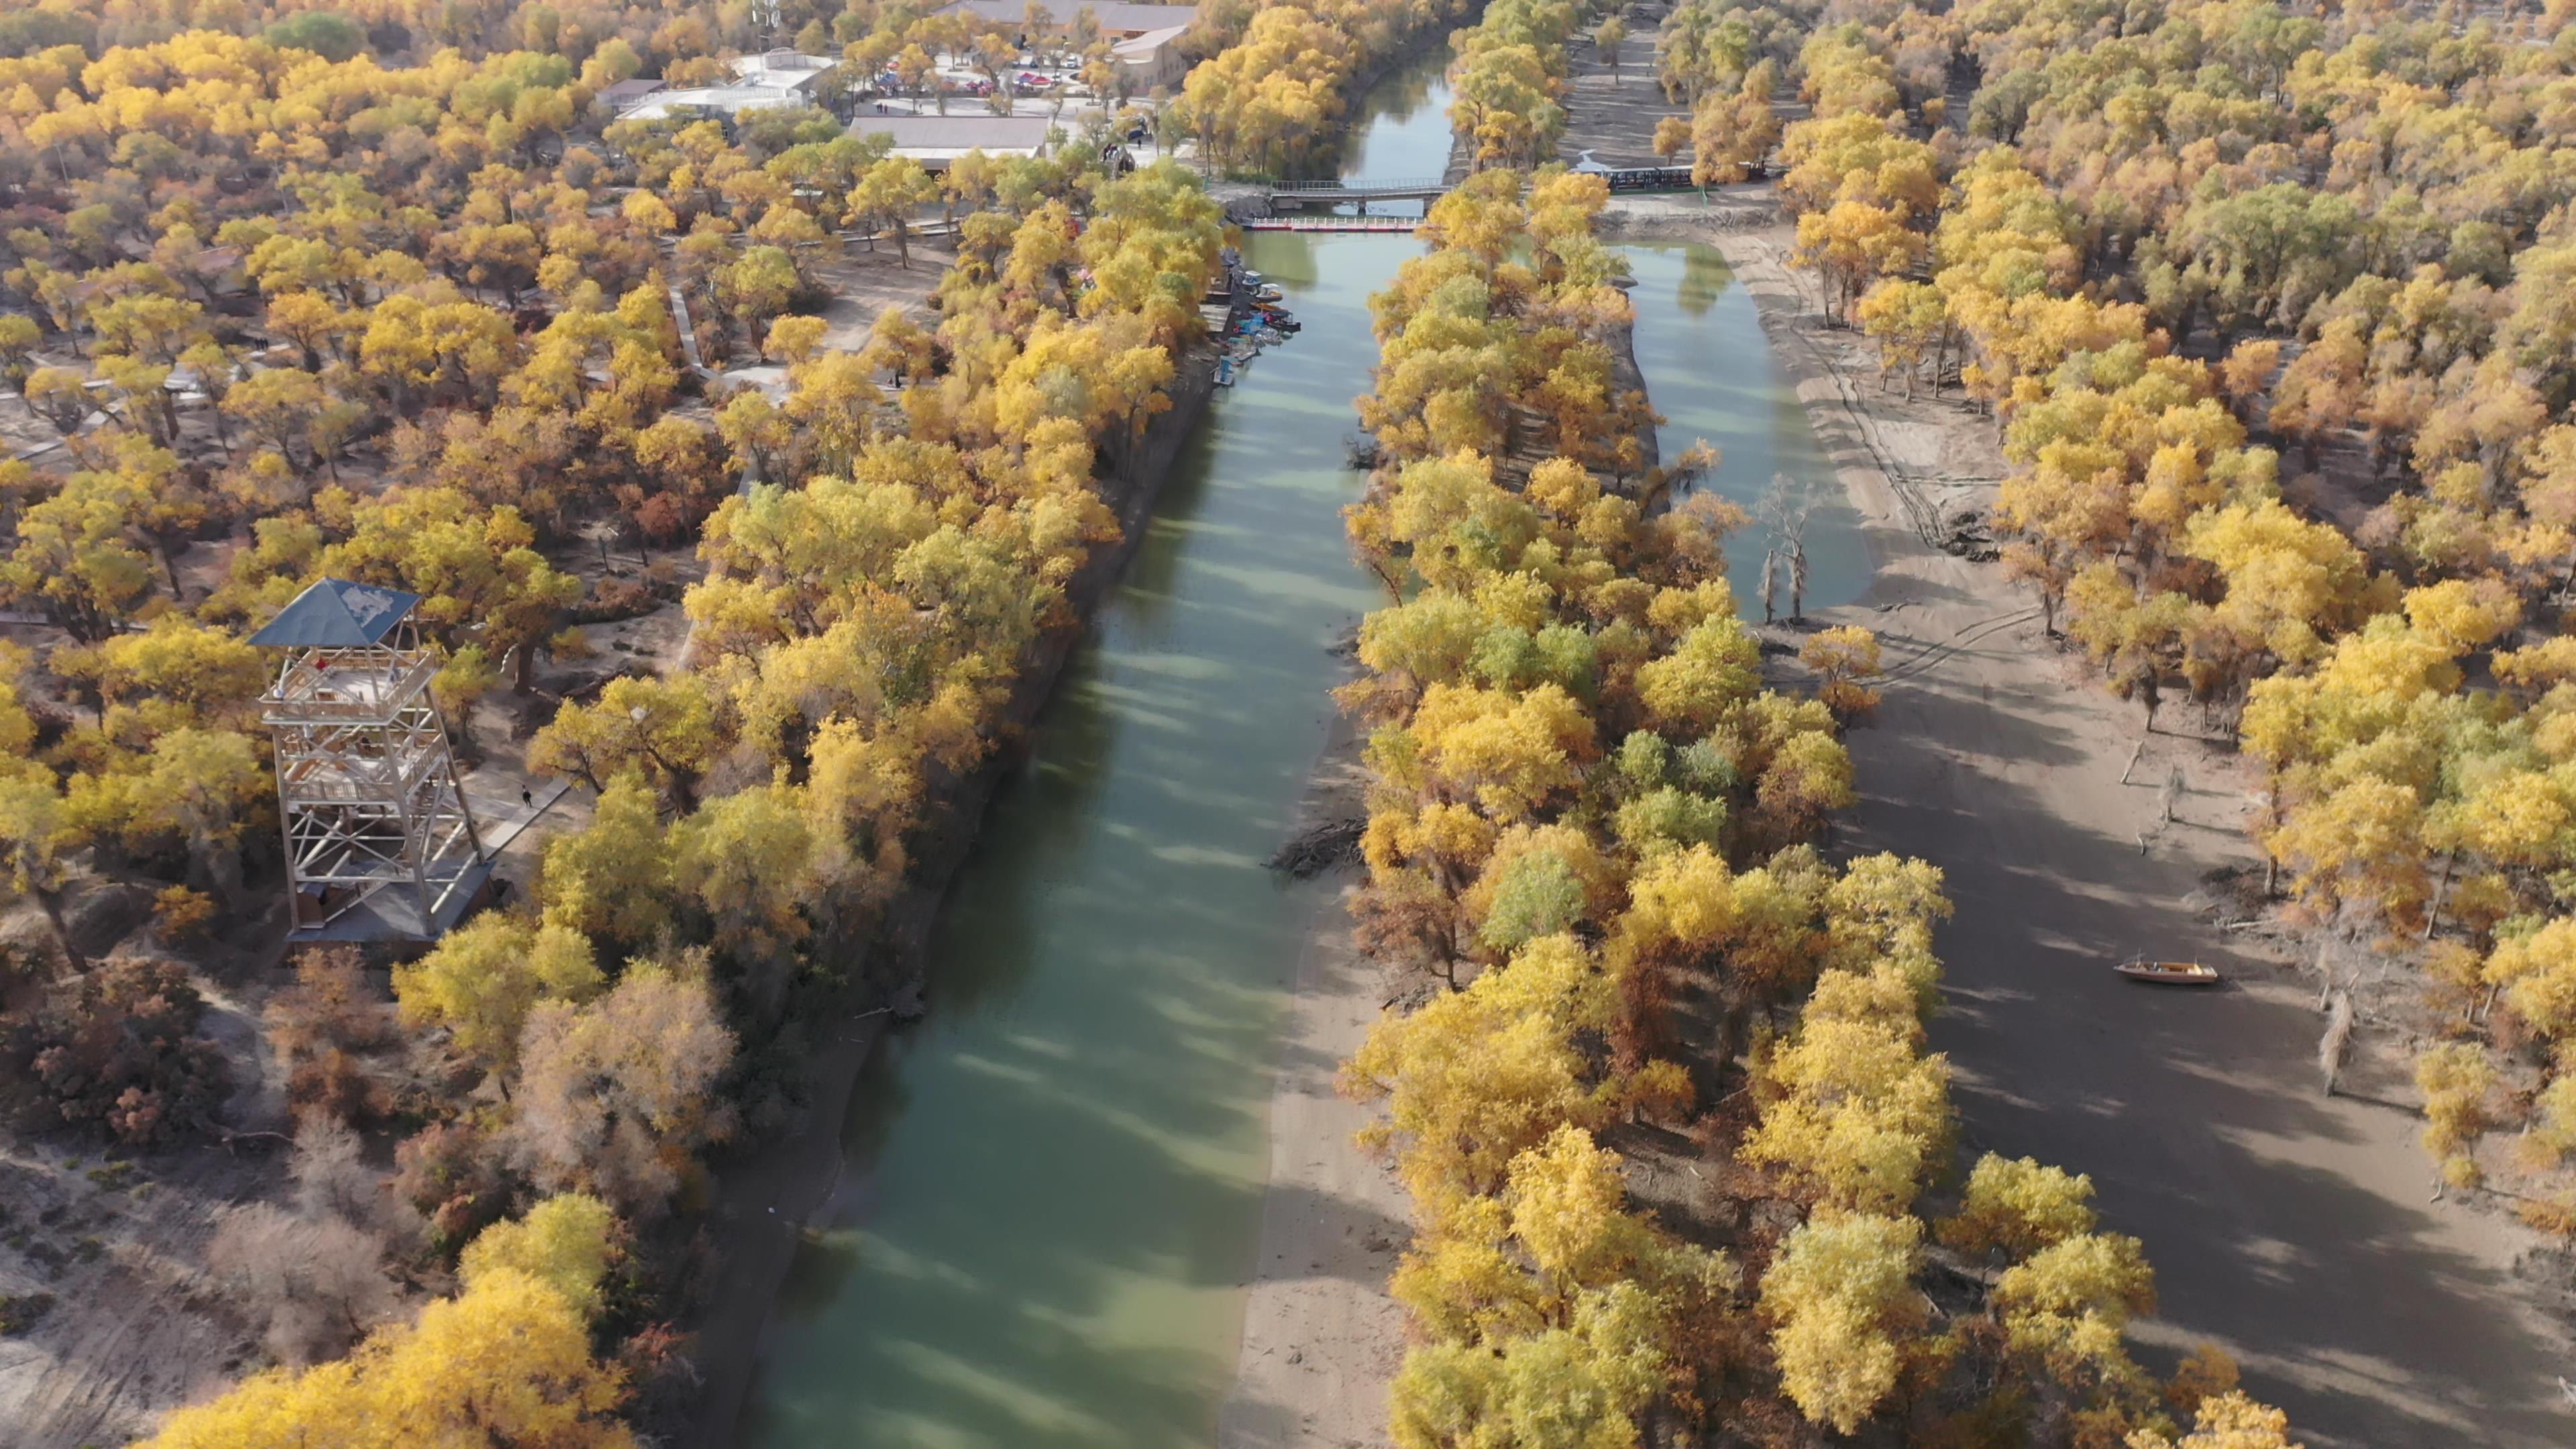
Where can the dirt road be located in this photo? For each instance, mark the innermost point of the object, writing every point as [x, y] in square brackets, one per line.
[2294, 1229]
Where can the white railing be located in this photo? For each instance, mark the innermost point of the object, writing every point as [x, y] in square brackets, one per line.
[1357, 188]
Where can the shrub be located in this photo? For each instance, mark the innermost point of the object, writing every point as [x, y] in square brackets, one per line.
[451, 1173]
[614, 599]
[23, 1311]
[180, 914]
[332, 36]
[115, 1048]
[319, 1027]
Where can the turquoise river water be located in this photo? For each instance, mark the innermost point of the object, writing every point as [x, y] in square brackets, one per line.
[1054, 1181]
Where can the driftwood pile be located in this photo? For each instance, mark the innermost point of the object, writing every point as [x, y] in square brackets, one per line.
[1970, 536]
[1318, 848]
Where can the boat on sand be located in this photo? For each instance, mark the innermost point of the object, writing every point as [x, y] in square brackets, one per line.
[2169, 973]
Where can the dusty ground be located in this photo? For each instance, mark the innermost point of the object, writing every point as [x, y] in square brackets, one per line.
[865, 283]
[117, 1242]
[1611, 117]
[117, 1239]
[2293, 1228]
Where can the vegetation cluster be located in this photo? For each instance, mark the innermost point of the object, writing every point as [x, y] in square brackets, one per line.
[1269, 102]
[416, 311]
[1507, 86]
[1593, 828]
[2270, 305]
[379, 291]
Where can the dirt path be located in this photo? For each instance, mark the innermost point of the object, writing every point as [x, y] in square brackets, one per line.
[2292, 1228]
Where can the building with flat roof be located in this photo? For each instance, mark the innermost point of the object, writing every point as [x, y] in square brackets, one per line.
[1118, 21]
[790, 69]
[764, 82]
[934, 141]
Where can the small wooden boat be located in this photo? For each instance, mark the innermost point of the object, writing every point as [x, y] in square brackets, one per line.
[1264, 292]
[2169, 973]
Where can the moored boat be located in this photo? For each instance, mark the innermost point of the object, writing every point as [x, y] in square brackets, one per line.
[2169, 973]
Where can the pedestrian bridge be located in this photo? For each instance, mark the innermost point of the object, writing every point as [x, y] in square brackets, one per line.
[1296, 195]
[1289, 194]
[1331, 224]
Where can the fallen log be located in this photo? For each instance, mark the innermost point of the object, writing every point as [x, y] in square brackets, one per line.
[1318, 848]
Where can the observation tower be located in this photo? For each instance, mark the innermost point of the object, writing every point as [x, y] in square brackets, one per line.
[379, 842]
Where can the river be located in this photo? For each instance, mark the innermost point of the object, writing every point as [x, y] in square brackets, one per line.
[1713, 376]
[1054, 1182]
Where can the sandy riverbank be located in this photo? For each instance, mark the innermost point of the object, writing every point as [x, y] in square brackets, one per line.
[1321, 1338]
[2291, 1227]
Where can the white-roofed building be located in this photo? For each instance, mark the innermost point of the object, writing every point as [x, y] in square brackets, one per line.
[764, 82]
[788, 69]
[934, 141]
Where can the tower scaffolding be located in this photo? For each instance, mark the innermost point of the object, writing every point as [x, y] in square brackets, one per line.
[379, 840]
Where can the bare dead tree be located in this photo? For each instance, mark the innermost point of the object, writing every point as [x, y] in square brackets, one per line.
[2338, 1037]
[314, 1286]
[2441, 893]
[1784, 509]
[312, 1273]
[333, 1180]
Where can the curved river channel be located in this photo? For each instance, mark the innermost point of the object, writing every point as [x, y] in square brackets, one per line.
[1054, 1182]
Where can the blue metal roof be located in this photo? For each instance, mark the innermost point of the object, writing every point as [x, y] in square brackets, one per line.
[337, 614]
